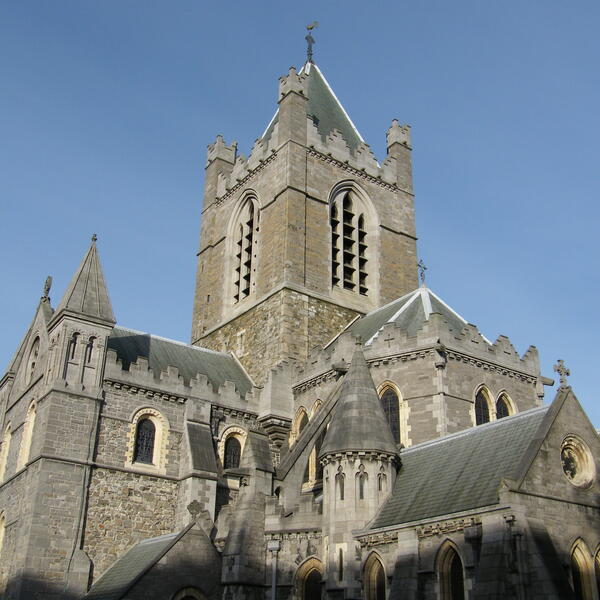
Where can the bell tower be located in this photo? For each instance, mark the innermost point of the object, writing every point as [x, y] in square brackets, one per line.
[305, 234]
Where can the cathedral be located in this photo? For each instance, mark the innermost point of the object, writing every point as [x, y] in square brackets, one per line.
[334, 430]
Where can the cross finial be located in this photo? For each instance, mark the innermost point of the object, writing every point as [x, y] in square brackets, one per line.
[310, 41]
[563, 373]
[47, 286]
[422, 268]
[94, 237]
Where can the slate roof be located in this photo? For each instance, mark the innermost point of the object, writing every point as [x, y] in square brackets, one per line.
[118, 579]
[325, 109]
[87, 294]
[409, 313]
[461, 471]
[190, 360]
[358, 422]
[201, 447]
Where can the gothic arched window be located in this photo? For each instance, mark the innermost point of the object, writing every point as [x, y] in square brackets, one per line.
[348, 243]
[89, 349]
[4, 449]
[144, 442]
[71, 356]
[391, 407]
[245, 233]
[26, 436]
[482, 408]
[450, 573]
[362, 485]
[33, 357]
[581, 572]
[374, 579]
[502, 407]
[339, 484]
[2, 531]
[232, 453]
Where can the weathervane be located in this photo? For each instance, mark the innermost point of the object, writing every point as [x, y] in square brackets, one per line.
[563, 372]
[310, 41]
[422, 268]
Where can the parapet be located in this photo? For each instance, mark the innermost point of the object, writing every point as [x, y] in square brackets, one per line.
[221, 150]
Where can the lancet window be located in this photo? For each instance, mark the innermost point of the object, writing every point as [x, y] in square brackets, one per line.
[144, 442]
[482, 408]
[450, 573]
[374, 579]
[33, 357]
[349, 242]
[502, 407]
[390, 403]
[245, 233]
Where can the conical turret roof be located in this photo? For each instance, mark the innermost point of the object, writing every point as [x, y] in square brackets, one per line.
[358, 423]
[87, 295]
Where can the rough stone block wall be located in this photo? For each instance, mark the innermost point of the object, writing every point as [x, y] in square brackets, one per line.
[124, 508]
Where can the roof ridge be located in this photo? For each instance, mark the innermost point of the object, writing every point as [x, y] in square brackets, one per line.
[476, 428]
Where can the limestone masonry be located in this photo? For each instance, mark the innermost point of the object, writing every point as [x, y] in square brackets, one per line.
[334, 429]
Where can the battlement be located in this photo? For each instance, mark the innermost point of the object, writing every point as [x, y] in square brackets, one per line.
[398, 134]
[292, 82]
[221, 150]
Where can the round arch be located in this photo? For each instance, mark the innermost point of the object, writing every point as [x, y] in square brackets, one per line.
[308, 578]
[450, 572]
[374, 577]
[232, 431]
[161, 435]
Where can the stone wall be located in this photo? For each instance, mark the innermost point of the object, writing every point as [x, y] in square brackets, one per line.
[124, 508]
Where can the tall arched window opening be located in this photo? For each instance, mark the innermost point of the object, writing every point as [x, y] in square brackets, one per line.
[581, 572]
[374, 579]
[391, 407]
[89, 349]
[27, 436]
[245, 251]
[144, 442]
[339, 484]
[348, 244]
[482, 408]
[70, 358]
[232, 453]
[502, 407]
[451, 576]
[33, 358]
[309, 580]
[361, 483]
[340, 565]
[4, 451]
[2, 531]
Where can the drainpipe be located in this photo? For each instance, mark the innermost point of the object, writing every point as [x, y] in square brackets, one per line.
[273, 546]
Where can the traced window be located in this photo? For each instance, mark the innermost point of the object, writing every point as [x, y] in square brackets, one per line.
[246, 232]
[482, 407]
[233, 453]
[349, 243]
[374, 578]
[503, 407]
[33, 359]
[145, 438]
[582, 572]
[391, 407]
[450, 574]
[27, 436]
[4, 451]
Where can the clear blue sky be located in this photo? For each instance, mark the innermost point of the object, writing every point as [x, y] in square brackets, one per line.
[106, 109]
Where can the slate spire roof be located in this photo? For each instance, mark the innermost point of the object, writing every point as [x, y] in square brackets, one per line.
[324, 108]
[358, 422]
[87, 294]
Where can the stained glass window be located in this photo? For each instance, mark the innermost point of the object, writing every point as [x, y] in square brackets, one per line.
[482, 409]
[233, 453]
[391, 408]
[144, 442]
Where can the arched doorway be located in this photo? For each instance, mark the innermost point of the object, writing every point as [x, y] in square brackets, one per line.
[308, 580]
[374, 578]
[450, 573]
[189, 593]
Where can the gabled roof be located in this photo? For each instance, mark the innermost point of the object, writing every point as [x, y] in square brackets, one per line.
[190, 360]
[409, 313]
[324, 108]
[461, 471]
[87, 295]
[358, 422]
[118, 579]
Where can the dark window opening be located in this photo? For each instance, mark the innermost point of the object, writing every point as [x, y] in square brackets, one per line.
[391, 407]
[144, 442]
[502, 408]
[233, 453]
[482, 409]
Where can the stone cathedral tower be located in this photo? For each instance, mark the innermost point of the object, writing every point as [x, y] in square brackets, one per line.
[305, 234]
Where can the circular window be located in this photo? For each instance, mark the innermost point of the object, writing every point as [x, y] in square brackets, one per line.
[577, 462]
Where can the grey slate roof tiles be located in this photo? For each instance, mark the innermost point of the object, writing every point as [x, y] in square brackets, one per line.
[201, 447]
[461, 471]
[115, 582]
[190, 360]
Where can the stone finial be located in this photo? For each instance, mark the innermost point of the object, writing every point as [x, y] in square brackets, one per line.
[94, 238]
[398, 134]
[563, 373]
[292, 82]
[422, 268]
[221, 150]
[194, 508]
[47, 286]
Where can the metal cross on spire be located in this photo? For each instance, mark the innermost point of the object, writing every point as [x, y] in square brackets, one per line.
[422, 268]
[310, 41]
[563, 373]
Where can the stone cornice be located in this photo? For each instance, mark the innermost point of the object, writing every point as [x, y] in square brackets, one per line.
[489, 366]
[145, 391]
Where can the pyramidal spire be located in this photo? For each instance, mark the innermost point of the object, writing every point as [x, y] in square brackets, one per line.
[359, 423]
[87, 295]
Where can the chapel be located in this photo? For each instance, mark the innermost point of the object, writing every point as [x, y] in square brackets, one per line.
[333, 430]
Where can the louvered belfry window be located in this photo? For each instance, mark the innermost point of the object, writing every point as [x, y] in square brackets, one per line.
[348, 245]
[245, 252]
[144, 442]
